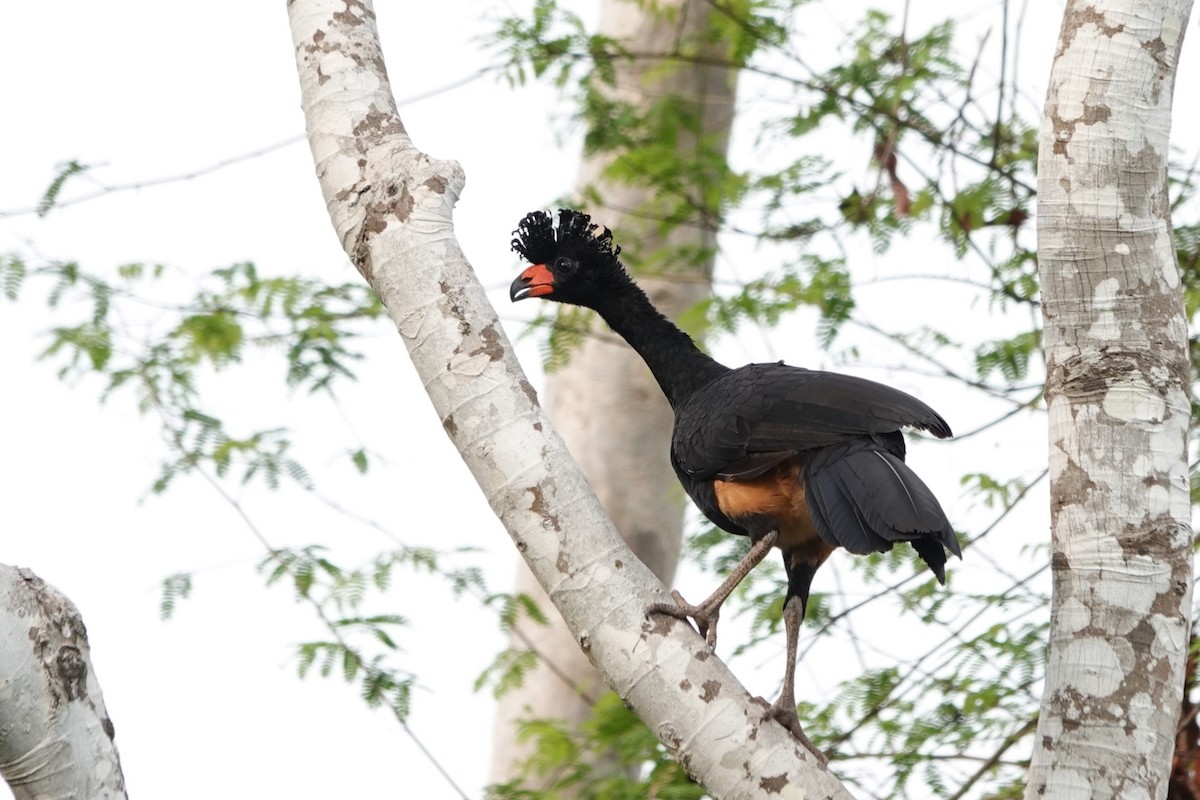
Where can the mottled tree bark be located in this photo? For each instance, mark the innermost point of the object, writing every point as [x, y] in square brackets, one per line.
[604, 401]
[56, 739]
[1116, 348]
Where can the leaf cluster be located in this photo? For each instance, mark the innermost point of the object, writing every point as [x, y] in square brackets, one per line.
[166, 355]
[613, 756]
[124, 340]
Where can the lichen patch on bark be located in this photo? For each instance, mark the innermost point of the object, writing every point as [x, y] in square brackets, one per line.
[1076, 17]
[376, 124]
[773, 784]
[657, 625]
[529, 391]
[539, 507]
[492, 347]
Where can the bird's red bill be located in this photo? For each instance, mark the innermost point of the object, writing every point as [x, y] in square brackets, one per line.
[536, 281]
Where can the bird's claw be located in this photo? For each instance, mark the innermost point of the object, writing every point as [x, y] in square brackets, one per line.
[785, 714]
[705, 618]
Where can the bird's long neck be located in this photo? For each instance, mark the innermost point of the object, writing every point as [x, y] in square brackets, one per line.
[677, 364]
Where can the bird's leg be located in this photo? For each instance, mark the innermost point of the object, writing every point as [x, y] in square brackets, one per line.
[707, 612]
[783, 710]
[801, 564]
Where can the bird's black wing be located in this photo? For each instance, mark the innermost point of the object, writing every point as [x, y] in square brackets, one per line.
[844, 432]
[752, 418]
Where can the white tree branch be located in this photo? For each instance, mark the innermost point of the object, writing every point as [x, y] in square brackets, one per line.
[391, 207]
[56, 739]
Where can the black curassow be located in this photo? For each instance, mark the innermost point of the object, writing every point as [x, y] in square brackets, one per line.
[798, 459]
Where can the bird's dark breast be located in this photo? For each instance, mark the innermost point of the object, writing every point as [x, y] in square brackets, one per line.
[773, 500]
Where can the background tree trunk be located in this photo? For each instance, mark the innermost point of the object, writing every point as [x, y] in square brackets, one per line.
[1116, 351]
[604, 401]
[56, 739]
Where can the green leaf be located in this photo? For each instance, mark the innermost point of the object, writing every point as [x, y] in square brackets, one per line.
[216, 337]
[12, 274]
[174, 588]
[1010, 357]
[65, 172]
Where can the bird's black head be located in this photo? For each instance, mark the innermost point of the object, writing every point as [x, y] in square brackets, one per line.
[573, 263]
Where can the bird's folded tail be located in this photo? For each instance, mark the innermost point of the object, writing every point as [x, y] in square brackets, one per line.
[867, 499]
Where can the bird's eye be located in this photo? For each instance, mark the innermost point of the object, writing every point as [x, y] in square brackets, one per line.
[564, 264]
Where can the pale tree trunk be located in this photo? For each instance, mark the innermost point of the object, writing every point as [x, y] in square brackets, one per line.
[391, 208]
[604, 401]
[56, 739]
[1116, 349]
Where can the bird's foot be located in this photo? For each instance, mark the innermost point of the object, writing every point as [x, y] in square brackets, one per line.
[704, 617]
[785, 714]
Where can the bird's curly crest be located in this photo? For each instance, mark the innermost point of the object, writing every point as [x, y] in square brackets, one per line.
[537, 240]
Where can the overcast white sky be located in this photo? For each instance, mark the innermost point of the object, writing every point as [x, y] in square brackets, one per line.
[208, 705]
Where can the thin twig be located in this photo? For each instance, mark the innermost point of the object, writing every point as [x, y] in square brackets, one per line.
[987, 766]
[431, 758]
[216, 166]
